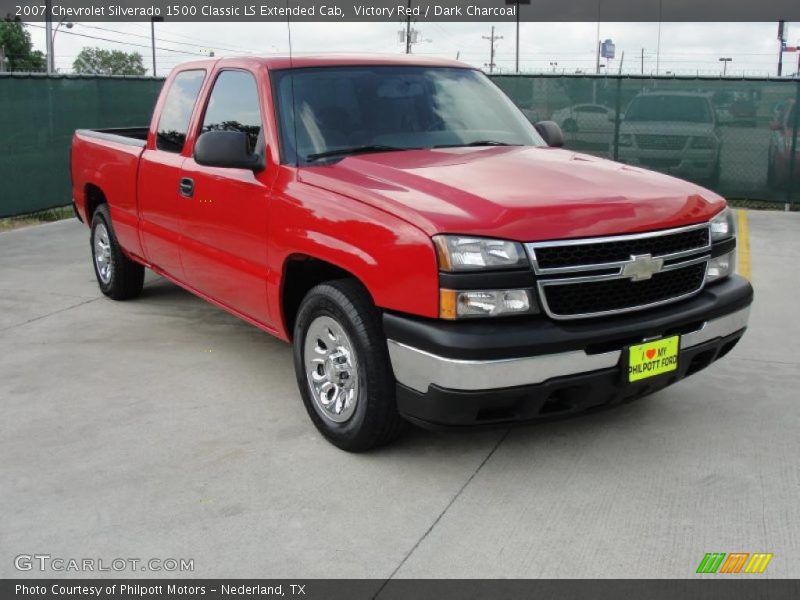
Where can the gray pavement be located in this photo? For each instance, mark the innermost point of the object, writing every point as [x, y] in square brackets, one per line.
[165, 428]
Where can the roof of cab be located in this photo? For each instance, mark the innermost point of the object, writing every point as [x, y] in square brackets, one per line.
[299, 61]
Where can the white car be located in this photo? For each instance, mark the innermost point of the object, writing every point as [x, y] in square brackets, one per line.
[586, 123]
[672, 132]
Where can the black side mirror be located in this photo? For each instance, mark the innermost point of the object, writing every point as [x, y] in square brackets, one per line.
[551, 133]
[228, 149]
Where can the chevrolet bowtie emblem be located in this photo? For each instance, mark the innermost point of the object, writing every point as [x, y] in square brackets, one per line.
[642, 267]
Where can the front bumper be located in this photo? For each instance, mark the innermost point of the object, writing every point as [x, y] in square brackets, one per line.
[475, 372]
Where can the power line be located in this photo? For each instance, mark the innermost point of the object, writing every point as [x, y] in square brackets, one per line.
[162, 39]
[94, 37]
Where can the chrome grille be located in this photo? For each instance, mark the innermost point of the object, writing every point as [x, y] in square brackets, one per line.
[661, 142]
[601, 276]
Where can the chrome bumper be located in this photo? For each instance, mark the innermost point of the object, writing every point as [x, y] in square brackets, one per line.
[418, 369]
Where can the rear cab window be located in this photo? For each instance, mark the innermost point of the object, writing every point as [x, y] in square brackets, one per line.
[177, 111]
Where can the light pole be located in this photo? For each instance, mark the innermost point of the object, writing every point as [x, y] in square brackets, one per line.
[725, 62]
[51, 56]
[554, 65]
[153, 39]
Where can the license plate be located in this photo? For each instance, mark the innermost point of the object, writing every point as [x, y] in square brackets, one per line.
[653, 358]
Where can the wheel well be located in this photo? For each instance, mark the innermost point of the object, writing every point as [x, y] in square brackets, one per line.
[94, 198]
[300, 274]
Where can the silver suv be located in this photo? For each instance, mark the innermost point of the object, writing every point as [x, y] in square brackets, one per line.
[672, 132]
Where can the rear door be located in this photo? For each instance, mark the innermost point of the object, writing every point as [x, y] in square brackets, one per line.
[160, 173]
[224, 222]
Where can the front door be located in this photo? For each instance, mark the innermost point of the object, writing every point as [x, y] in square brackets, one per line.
[225, 211]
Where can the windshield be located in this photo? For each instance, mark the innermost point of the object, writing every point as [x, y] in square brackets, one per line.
[346, 108]
[688, 109]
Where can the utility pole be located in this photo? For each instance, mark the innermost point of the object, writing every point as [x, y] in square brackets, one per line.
[408, 29]
[492, 39]
[782, 42]
[48, 32]
[153, 40]
[642, 61]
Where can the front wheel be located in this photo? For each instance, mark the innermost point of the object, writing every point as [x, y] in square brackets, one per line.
[343, 369]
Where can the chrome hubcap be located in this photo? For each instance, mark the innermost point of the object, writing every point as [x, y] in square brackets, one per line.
[102, 253]
[331, 369]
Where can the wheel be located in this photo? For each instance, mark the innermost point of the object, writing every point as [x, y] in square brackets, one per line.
[118, 276]
[343, 369]
[570, 126]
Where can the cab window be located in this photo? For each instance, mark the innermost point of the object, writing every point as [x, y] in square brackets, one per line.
[233, 106]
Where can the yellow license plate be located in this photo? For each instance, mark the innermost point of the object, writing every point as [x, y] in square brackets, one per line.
[653, 358]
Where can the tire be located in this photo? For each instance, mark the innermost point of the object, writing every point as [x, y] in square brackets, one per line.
[118, 276]
[340, 356]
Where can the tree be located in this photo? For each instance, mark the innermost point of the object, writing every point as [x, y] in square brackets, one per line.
[97, 61]
[16, 42]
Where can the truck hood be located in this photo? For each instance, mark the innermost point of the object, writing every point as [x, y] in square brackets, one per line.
[516, 193]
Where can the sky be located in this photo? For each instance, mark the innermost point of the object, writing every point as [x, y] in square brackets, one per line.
[685, 48]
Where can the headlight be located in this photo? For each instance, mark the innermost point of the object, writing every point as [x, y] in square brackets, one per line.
[721, 267]
[625, 139]
[704, 143]
[461, 253]
[723, 226]
[485, 303]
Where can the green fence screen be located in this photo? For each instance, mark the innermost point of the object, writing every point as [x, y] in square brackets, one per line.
[37, 117]
[736, 136]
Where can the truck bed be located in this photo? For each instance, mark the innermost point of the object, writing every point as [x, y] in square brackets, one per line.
[132, 136]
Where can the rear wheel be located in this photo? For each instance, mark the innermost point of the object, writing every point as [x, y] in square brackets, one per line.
[343, 369]
[118, 276]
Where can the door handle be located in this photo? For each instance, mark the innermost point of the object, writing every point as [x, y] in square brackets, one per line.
[186, 187]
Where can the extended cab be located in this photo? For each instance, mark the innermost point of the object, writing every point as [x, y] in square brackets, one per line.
[430, 254]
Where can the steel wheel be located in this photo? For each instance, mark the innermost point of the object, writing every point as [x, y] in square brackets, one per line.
[331, 369]
[102, 253]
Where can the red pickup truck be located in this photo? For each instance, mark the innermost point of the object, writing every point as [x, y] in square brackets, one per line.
[431, 255]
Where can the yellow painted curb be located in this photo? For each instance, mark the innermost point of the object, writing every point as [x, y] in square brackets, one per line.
[743, 246]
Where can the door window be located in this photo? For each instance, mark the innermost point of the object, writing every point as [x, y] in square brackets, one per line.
[233, 106]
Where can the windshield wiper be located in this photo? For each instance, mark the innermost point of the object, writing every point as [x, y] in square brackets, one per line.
[354, 150]
[477, 143]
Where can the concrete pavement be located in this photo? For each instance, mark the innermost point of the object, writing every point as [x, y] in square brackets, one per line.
[165, 428]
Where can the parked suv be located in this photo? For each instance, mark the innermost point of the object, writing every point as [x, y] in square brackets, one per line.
[431, 255]
[672, 132]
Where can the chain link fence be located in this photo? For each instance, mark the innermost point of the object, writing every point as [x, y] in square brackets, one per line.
[736, 136]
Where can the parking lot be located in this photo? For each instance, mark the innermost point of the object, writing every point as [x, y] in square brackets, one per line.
[164, 427]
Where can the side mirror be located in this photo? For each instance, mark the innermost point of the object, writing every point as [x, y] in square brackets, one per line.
[229, 149]
[551, 133]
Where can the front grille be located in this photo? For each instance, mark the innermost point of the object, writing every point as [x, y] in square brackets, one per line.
[615, 295]
[596, 253]
[661, 142]
[577, 279]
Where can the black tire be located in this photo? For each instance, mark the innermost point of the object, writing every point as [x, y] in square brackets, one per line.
[374, 420]
[125, 278]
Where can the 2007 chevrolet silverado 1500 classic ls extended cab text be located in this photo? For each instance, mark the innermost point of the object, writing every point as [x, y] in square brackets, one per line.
[431, 255]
